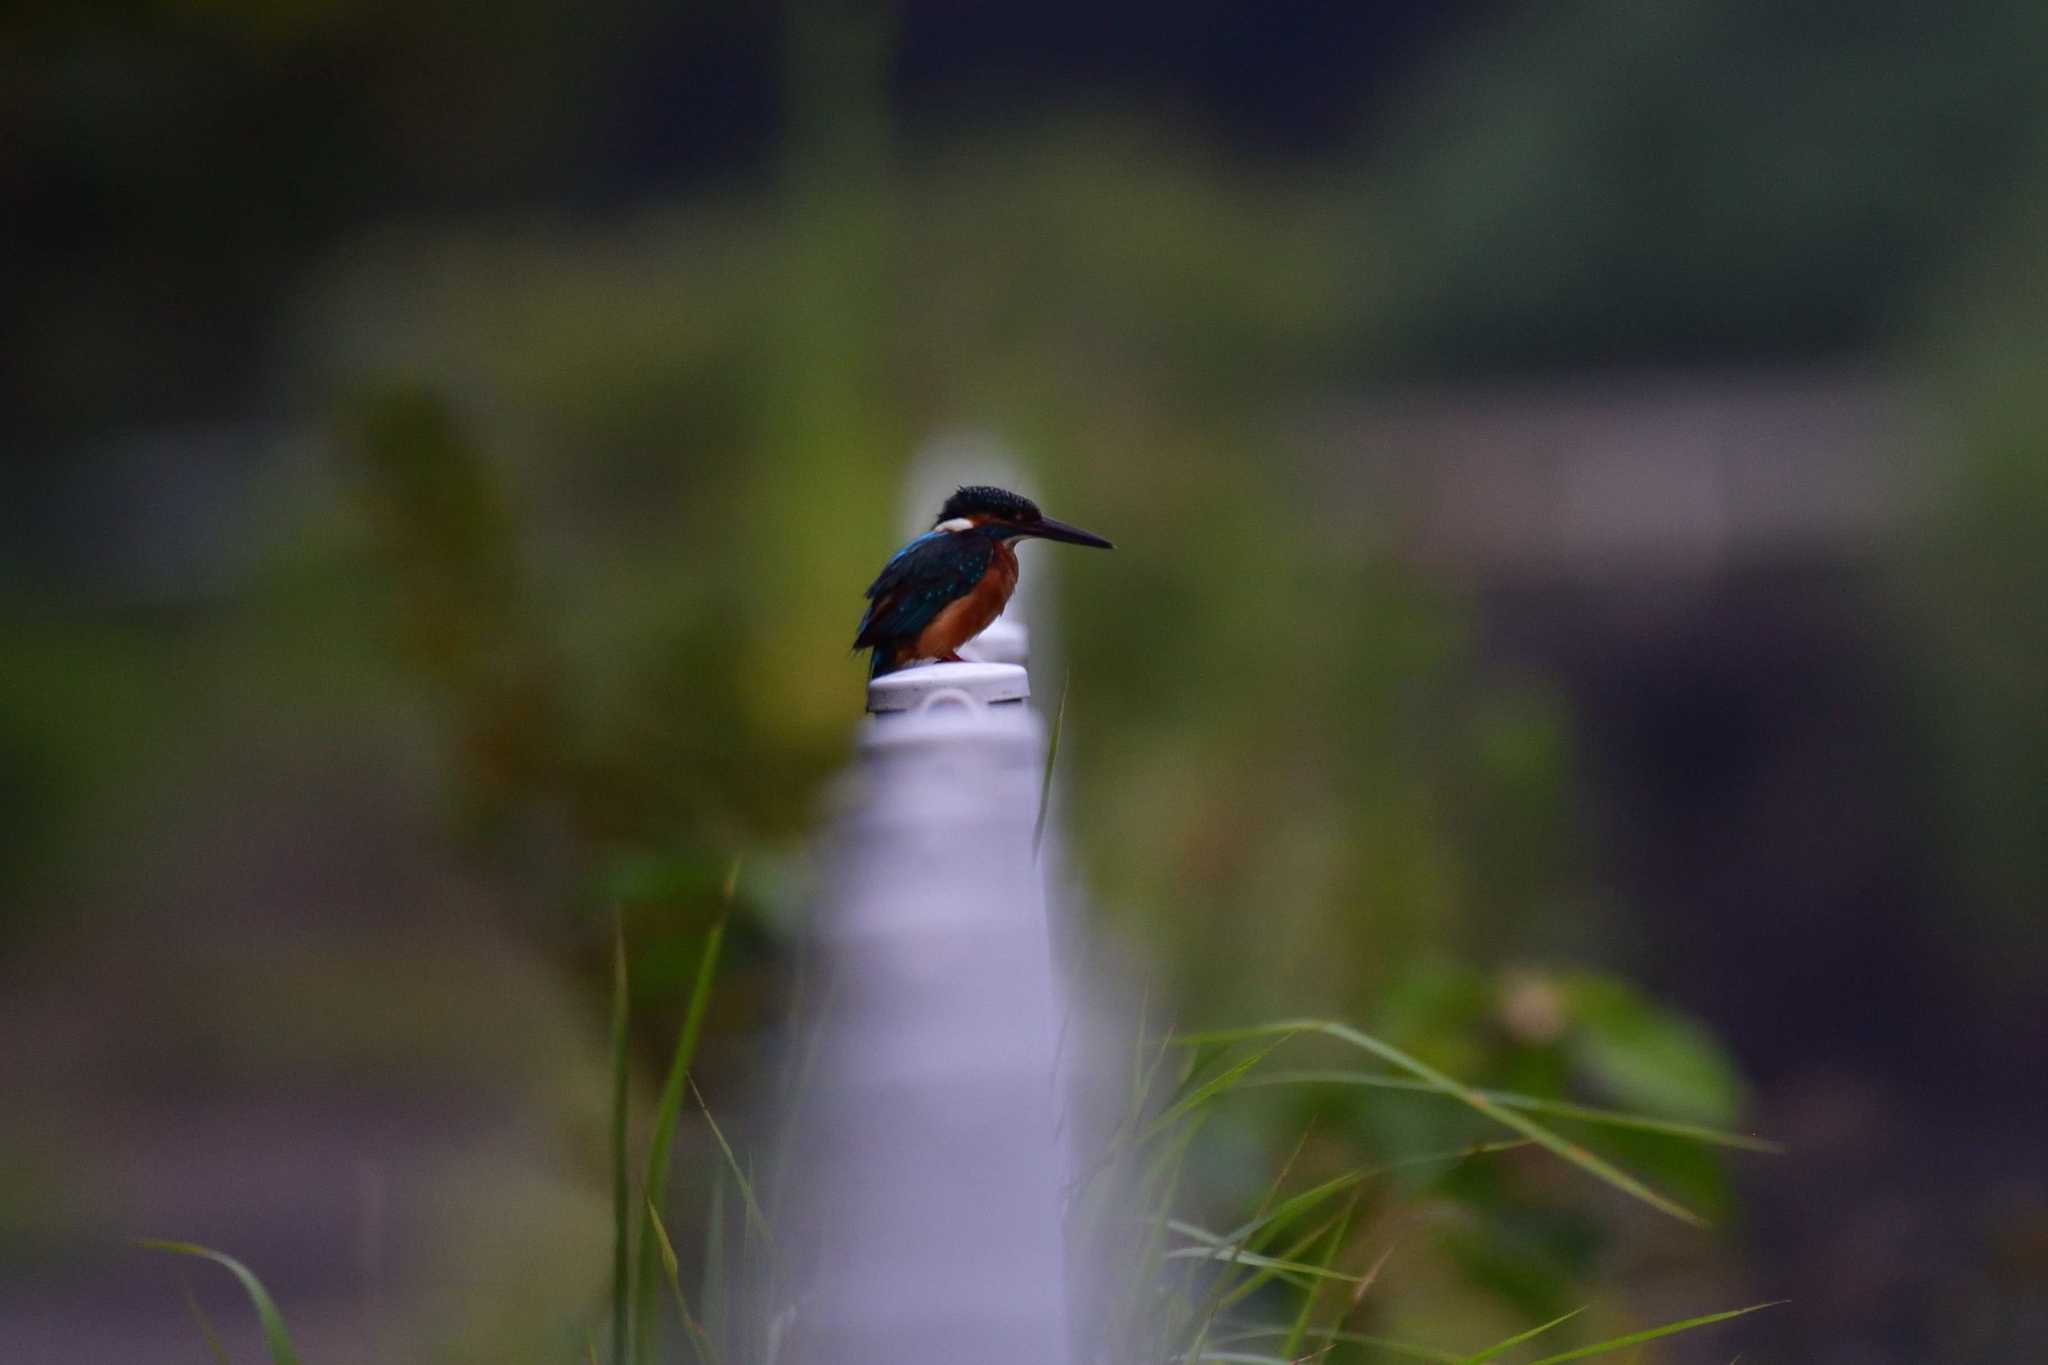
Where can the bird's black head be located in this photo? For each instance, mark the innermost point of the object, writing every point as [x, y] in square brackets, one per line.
[980, 502]
[1008, 514]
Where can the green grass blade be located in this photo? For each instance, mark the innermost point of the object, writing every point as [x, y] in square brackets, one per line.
[756, 1220]
[1299, 1204]
[1225, 1295]
[1294, 1207]
[1237, 1334]
[1145, 1077]
[1199, 1234]
[1277, 1264]
[1652, 1334]
[711, 1292]
[1206, 1091]
[1158, 1187]
[794, 1093]
[202, 1322]
[1516, 1340]
[275, 1338]
[1291, 1348]
[700, 1343]
[1532, 1104]
[1289, 1265]
[1052, 752]
[1563, 1147]
[1220, 1293]
[622, 1209]
[668, 1110]
[1389, 1345]
[1124, 1139]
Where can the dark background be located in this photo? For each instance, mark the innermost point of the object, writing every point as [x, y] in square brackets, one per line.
[1580, 473]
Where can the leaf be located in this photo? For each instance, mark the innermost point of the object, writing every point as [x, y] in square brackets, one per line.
[1649, 1056]
[275, 1338]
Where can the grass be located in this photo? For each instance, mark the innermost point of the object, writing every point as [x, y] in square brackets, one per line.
[1052, 754]
[622, 1226]
[1563, 1109]
[1506, 1115]
[1179, 1292]
[700, 1341]
[668, 1107]
[1191, 1288]
[276, 1339]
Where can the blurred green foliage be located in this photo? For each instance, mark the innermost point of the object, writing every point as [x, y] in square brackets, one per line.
[1971, 589]
[604, 490]
[622, 515]
[1600, 181]
[629, 479]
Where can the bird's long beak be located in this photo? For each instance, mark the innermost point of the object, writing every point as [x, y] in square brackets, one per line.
[1073, 535]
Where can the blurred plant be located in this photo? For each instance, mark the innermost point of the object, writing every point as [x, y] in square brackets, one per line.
[690, 493]
[650, 465]
[1598, 182]
[277, 1338]
[1319, 1258]
[1972, 591]
[1273, 1287]
[615, 482]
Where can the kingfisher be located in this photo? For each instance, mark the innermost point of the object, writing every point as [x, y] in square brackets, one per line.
[945, 587]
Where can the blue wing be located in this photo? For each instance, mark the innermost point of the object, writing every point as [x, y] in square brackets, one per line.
[918, 580]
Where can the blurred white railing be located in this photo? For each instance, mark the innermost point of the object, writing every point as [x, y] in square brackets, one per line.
[930, 1206]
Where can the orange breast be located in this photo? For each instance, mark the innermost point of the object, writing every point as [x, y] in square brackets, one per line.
[961, 620]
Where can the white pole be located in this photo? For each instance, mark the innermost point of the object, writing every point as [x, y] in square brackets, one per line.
[931, 1220]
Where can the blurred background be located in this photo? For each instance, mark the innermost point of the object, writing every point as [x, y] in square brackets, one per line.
[1580, 474]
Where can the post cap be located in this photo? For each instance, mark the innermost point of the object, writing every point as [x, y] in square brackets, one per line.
[932, 686]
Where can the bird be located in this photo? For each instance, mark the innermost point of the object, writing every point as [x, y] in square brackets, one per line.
[946, 586]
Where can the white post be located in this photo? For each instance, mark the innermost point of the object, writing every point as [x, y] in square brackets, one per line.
[931, 1218]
